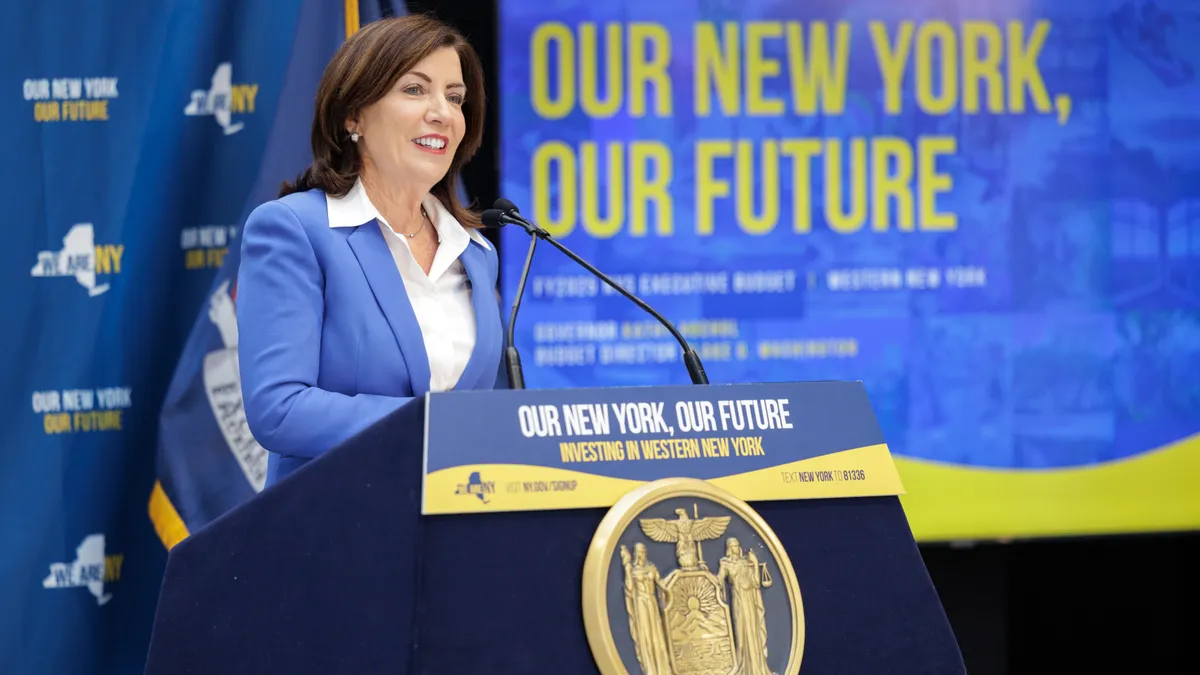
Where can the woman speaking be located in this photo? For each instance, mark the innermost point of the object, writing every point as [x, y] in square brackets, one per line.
[367, 283]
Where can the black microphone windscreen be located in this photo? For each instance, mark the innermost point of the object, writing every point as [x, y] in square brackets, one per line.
[505, 205]
[492, 218]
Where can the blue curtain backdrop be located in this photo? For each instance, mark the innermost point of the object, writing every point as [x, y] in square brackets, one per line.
[140, 135]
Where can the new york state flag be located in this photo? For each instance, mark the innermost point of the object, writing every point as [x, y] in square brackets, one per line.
[207, 461]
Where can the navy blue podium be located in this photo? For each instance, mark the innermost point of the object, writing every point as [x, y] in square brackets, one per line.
[335, 570]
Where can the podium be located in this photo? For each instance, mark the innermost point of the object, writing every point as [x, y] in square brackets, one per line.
[336, 569]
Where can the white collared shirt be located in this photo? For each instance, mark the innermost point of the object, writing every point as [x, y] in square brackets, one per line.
[441, 299]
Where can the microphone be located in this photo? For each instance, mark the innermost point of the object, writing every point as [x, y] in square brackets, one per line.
[506, 213]
[494, 218]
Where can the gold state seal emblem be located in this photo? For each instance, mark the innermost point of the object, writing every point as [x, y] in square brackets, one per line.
[657, 602]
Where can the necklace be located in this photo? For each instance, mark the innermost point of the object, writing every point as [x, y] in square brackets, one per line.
[424, 217]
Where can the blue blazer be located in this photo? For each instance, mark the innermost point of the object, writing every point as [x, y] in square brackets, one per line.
[328, 342]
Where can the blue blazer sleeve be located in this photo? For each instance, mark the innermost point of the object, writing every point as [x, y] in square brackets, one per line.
[280, 309]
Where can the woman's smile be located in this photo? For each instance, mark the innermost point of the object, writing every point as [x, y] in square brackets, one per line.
[432, 143]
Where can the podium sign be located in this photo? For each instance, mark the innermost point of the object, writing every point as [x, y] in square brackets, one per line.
[534, 450]
[835, 584]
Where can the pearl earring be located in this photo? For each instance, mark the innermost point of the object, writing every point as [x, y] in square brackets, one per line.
[354, 137]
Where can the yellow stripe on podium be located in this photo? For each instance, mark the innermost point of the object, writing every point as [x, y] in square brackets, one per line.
[861, 472]
[484, 488]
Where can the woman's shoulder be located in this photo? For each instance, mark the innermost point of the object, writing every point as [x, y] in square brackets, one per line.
[295, 222]
[305, 205]
[304, 210]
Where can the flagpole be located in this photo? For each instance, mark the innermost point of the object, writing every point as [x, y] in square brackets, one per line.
[351, 17]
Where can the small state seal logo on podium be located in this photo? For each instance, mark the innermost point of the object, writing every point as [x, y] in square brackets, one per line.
[683, 578]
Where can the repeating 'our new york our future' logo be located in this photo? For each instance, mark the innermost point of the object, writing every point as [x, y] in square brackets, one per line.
[223, 100]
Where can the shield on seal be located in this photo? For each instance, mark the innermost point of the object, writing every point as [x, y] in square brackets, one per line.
[698, 626]
[683, 578]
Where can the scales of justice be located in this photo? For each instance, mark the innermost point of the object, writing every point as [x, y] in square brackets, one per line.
[694, 622]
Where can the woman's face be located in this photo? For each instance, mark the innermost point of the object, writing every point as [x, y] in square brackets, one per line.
[413, 132]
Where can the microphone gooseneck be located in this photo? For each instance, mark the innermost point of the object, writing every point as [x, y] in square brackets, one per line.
[516, 377]
[495, 218]
[510, 215]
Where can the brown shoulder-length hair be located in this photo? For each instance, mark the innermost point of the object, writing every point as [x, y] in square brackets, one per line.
[363, 71]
